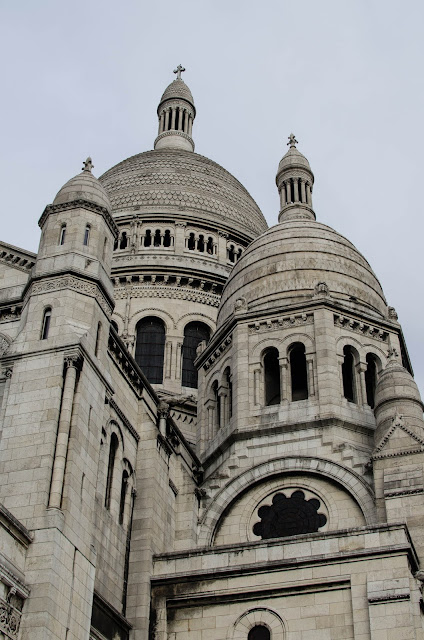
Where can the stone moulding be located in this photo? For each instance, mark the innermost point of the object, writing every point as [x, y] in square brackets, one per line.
[169, 291]
[360, 327]
[76, 284]
[222, 348]
[16, 259]
[123, 418]
[80, 204]
[296, 320]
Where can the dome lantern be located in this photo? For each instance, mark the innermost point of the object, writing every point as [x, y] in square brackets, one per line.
[176, 112]
[294, 181]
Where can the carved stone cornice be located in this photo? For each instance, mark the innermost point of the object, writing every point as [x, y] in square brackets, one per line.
[162, 290]
[220, 349]
[87, 287]
[15, 258]
[284, 322]
[123, 418]
[360, 327]
[80, 204]
[174, 132]
[126, 363]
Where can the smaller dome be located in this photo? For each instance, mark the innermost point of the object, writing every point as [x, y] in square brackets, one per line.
[293, 158]
[84, 186]
[177, 89]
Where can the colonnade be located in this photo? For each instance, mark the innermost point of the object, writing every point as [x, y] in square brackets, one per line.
[296, 190]
[176, 119]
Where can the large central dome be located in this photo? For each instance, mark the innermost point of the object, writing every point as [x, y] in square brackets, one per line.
[179, 181]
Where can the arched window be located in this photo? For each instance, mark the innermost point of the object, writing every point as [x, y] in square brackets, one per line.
[272, 377]
[150, 348]
[124, 489]
[209, 246]
[62, 234]
[371, 379]
[231, 253]
[148, 238]
[194, 333]
[201, 243]
[98, 335]
[86, 235]
[259, 632]
[229, 384]
[104, 249]
[46, 323]
[167, 238]
[124, 240]
[298, 371]
[114, 443]
[157, 240]
[348, 374]
[217, 404]
[191, 243]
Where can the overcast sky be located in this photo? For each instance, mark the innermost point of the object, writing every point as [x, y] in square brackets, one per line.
[346, 76]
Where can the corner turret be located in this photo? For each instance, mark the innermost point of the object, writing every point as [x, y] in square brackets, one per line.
[176, 112]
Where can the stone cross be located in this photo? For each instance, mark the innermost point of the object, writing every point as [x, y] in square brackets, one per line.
[88, 165]
[178, 71]
[292, 141]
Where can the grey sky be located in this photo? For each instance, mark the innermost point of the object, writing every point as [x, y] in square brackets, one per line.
[84, 78]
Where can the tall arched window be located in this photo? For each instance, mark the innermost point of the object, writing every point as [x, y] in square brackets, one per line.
[194, 333]
[371, 378]
[114, 443]
[272, 377]
[124, 240]
[62, 234]
[229, 385]
[98, 336]
[46, 323]
[150, 348]
[298, 371]
[217, 404]
[259, 632]
[87, 235]
[348, 374]
[124, 489]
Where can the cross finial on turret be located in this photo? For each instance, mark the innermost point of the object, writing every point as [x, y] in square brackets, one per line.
[88, 165]
[292, 141]
[179, 71]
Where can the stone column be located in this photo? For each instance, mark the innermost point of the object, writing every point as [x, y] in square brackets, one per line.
[178, 361]
[186, 116]
[283, 379]
[72, 364]
[211, 423]
[179, 236]
[166, 119]
[311, 382]
[161, 121]
[173, 115]
[296, 189]
[363, 387]
[308, 194]
[180, 120]
[288, 191]
[302, 189]
[222, 246]
[168, 359]
[163, 413]
[223, 407]
[257, 386]
[190, 127]
[282, 196]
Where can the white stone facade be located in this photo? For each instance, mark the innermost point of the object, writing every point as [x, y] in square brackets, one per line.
[281, 497]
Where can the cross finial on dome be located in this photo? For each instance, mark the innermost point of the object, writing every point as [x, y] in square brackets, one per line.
[179, 71]
[292, 141]
[88, 165]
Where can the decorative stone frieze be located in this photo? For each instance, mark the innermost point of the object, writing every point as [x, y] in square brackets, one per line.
[10, 619]
[82, 204]
[284, 322]
[10, 312]
[16, 258]
[76, 284]
[162, 289]
[360, 327]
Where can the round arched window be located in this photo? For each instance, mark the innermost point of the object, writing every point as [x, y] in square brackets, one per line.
[194, 333]
[259, 632]
[150, 348]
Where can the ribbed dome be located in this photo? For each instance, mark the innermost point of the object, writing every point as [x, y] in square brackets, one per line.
[293, 158]
[84, 186]
[177, 89]
[183, 183]
[285, 264]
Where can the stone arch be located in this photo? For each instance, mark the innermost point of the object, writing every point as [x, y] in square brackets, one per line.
[379, 353]
[259, 349]
[352, 482]
[195, 317]
[166, 318]
[257, 616]
[345, 341]
[298, 337]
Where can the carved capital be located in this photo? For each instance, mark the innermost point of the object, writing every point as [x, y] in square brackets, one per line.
[73, 360]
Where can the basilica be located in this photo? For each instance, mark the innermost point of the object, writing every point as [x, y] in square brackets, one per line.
[209, 428]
